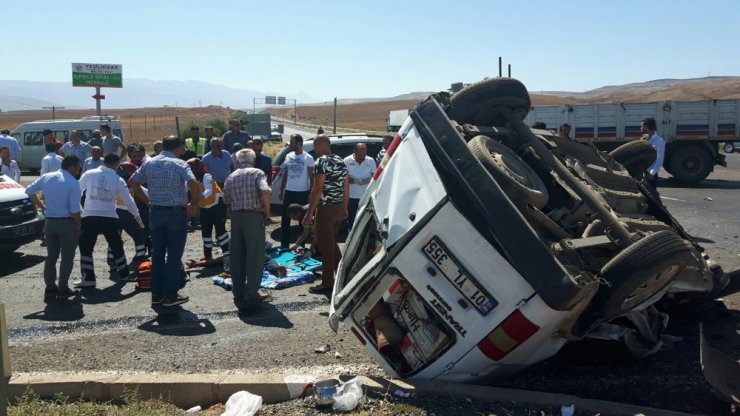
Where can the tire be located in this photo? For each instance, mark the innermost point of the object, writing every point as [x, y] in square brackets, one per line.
[729, 147]
[640, 271]
[636, 156]
[520, 183]
[491, 102]
[690, 164]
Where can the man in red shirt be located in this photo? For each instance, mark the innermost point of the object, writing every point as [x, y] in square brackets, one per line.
[49, 137]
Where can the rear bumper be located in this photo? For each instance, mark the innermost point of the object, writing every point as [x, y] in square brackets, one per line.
[15, 235]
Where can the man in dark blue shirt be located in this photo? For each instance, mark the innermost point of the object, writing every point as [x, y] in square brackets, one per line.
[262, 162]
[236, 135]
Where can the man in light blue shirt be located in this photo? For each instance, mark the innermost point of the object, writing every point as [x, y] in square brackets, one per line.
[61, 206]
[648, 127]
[95, 160]
[52, 162]
[218, 161]
[6, 140]
[75, 146]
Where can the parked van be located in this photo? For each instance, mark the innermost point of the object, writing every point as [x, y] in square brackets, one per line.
[32, 142]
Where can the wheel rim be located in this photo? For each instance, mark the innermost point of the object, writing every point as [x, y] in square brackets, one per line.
[729, 147]
[692, 164]
[649, 288]
[514, 170]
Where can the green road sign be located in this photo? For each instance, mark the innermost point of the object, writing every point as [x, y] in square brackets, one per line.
[97, 75]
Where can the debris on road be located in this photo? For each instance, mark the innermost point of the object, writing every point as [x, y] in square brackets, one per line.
[322, 349]
[242, 403]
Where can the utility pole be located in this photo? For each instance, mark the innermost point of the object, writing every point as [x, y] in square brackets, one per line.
[53, 111]
[5, 371]
[334, 130]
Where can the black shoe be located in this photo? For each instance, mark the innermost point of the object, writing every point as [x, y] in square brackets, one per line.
[156, 300]
[50, 294]
[249, 308]
[319, 290]
[67, 293]
[177, 300]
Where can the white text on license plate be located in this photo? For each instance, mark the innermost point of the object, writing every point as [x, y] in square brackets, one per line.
[436, 251]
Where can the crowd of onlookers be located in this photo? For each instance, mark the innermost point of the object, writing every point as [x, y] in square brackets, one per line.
[105, 187]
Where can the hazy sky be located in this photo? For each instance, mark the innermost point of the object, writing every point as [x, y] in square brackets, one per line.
[373, 48]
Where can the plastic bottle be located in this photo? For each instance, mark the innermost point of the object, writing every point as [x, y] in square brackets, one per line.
[218, 281]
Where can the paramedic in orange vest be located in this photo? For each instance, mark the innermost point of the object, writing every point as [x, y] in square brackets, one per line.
[195, 146]
[212, 212]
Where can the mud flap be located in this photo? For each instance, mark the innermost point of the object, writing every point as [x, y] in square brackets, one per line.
[720, 370]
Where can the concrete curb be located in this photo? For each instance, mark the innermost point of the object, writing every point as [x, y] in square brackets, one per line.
[188, 390]
[498, 394]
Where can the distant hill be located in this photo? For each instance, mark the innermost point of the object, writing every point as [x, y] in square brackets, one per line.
[370, 114]
[136, 93]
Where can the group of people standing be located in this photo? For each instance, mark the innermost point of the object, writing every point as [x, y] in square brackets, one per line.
[87, 190]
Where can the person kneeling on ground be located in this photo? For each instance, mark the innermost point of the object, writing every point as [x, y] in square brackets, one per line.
[296, 212]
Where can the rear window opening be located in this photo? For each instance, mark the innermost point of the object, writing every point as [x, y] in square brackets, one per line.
[404, 329]
[367, 247]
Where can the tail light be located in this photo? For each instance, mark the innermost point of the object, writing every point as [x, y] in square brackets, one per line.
[506, 337]
[387, 157]
[357, 334]
[275, 171]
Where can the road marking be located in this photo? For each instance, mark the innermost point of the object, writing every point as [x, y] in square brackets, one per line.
[671, 199]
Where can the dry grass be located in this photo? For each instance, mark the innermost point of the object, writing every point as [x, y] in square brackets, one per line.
[142, 125]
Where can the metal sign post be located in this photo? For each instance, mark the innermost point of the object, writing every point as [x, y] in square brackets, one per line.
[97, 75]
[4, 362]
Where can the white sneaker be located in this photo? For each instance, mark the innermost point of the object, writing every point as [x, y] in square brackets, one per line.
[84, 283]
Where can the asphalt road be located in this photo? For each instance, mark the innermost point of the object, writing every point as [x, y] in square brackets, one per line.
[113, 328]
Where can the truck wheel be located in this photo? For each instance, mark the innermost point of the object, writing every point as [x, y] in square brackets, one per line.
[690, 164]
[636, 156]
[520, 183]
[729, 147]
[491, 102]
[640, 271]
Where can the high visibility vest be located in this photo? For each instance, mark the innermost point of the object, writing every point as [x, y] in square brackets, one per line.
[212, 200]
[198, 148]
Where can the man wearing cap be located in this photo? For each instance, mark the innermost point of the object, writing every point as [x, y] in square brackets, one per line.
[49, 137]
[111, 144]
[61, 207]
[95, 139]
[236, 135]
[6, 140]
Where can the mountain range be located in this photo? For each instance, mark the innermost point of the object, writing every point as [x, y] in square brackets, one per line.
[138, 93]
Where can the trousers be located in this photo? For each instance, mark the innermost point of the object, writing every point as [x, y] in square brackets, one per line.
[91, 228]
[247, 254]
[210, 219]
[169, 230]
[329, 219]
[61, 238]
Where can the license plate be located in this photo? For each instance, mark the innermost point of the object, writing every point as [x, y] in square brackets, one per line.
[456, 274]
[25, 229]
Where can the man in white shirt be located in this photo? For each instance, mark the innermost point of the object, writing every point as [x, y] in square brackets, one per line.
[52, 162]
[297, 181]
[102, 186]
[360, 169]
[8, 166]
[648, 127]
[6, 140]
